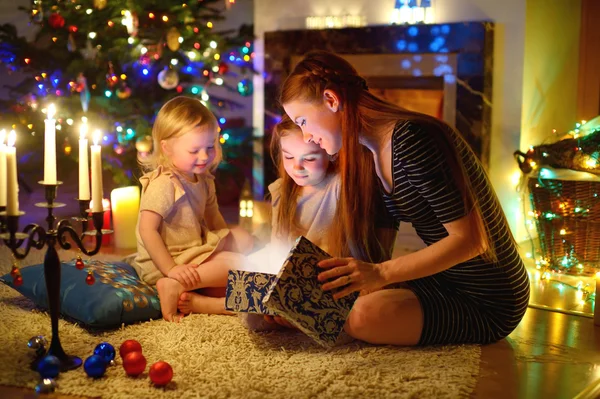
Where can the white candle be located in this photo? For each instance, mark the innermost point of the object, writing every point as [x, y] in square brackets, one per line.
[3, 182]
[50, 147]
[96, 173]
[12, 186]
[125, 204]
[84, 171]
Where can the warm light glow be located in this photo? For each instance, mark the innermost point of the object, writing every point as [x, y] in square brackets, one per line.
[2, 136]
[12, 138]
[83, 130]
[51, 111]
[96, 137]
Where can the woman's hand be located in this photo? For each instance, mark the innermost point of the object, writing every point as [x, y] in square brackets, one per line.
[187, 275]
[352, 274]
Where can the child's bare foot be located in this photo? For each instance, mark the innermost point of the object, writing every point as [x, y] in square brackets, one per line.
[168, 293]
[190, 302]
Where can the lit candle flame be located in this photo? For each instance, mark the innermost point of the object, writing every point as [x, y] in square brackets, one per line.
[97, 135]
[51, 111]
[12, 138]
[83, 129]
[2, 136]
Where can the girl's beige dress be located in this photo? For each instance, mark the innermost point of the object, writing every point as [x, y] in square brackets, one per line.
[182, 205]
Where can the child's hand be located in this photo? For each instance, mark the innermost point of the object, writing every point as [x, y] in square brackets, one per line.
[187, 275]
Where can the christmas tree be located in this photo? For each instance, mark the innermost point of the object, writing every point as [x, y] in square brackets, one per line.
[114, 63]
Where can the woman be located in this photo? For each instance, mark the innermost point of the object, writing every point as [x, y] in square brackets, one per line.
[469, 284]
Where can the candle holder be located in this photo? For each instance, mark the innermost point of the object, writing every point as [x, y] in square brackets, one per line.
[37, 237]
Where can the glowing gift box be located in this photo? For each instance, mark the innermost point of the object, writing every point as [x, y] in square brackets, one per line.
[294, 293]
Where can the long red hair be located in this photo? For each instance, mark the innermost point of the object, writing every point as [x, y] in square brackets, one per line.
[363, 114]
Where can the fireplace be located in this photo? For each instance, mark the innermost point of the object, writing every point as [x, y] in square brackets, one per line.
[441, 70]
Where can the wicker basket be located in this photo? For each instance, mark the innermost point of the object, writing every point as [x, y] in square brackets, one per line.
[567, 214]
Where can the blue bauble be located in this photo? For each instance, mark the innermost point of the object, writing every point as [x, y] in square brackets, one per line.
[95, 366]
[106, 351]
[49, 367]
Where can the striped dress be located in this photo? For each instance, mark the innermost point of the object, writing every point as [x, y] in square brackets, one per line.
[474, 301]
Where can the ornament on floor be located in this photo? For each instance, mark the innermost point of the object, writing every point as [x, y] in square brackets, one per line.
[106, 351]
[124, 91]
[15, 273]
[168, 79]
[38, 343]
[128, 346]
[161, 373]
[144, 144]
[134, 363]
[245, 87]
[46, 385]
[79, 263]
[90, 279]
[95, 366]
[71, 45]
[37, 13]
[173, 39]
[99, 4]
[49, 366]
[56, 21]
[84, 92]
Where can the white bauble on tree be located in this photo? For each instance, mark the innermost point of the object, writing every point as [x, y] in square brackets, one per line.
[168, 79]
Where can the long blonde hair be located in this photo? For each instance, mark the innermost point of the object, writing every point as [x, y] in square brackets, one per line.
[286, 225]
[364, 113]
[175, 118]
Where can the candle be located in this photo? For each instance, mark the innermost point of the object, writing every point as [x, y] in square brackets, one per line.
[125, 204]
[12, 186]
[50, 147]
[3, 182]
[96, 174]
[84, 172]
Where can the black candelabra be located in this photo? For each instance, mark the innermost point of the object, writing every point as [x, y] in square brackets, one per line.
[36, 236]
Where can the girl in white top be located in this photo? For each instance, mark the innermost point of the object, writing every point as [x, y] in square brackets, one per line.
[183, 241]
[304, 197]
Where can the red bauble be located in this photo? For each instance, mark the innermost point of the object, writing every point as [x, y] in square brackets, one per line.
[90, 279]
[56, 21]
[18, 281]
[79, 264]
[161, 373]
[134, 363]
[14, 272]
[128, 346]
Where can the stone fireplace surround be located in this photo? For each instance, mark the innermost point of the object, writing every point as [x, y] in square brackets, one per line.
[455, 58]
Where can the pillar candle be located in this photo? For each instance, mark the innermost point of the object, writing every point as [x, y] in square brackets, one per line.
[96, 173]
[12, 187]
[3, 182]
[84, 171]
[50, 147]
[125, 203]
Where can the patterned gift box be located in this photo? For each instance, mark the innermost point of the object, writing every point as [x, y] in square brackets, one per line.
[246, 290]
[294, 293]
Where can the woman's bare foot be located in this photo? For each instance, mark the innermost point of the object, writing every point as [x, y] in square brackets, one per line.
[168, 294]
[190, 302]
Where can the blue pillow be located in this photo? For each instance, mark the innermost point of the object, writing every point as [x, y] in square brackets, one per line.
[118, 295]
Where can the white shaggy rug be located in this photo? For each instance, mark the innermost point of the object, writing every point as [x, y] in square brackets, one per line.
[216, 357]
